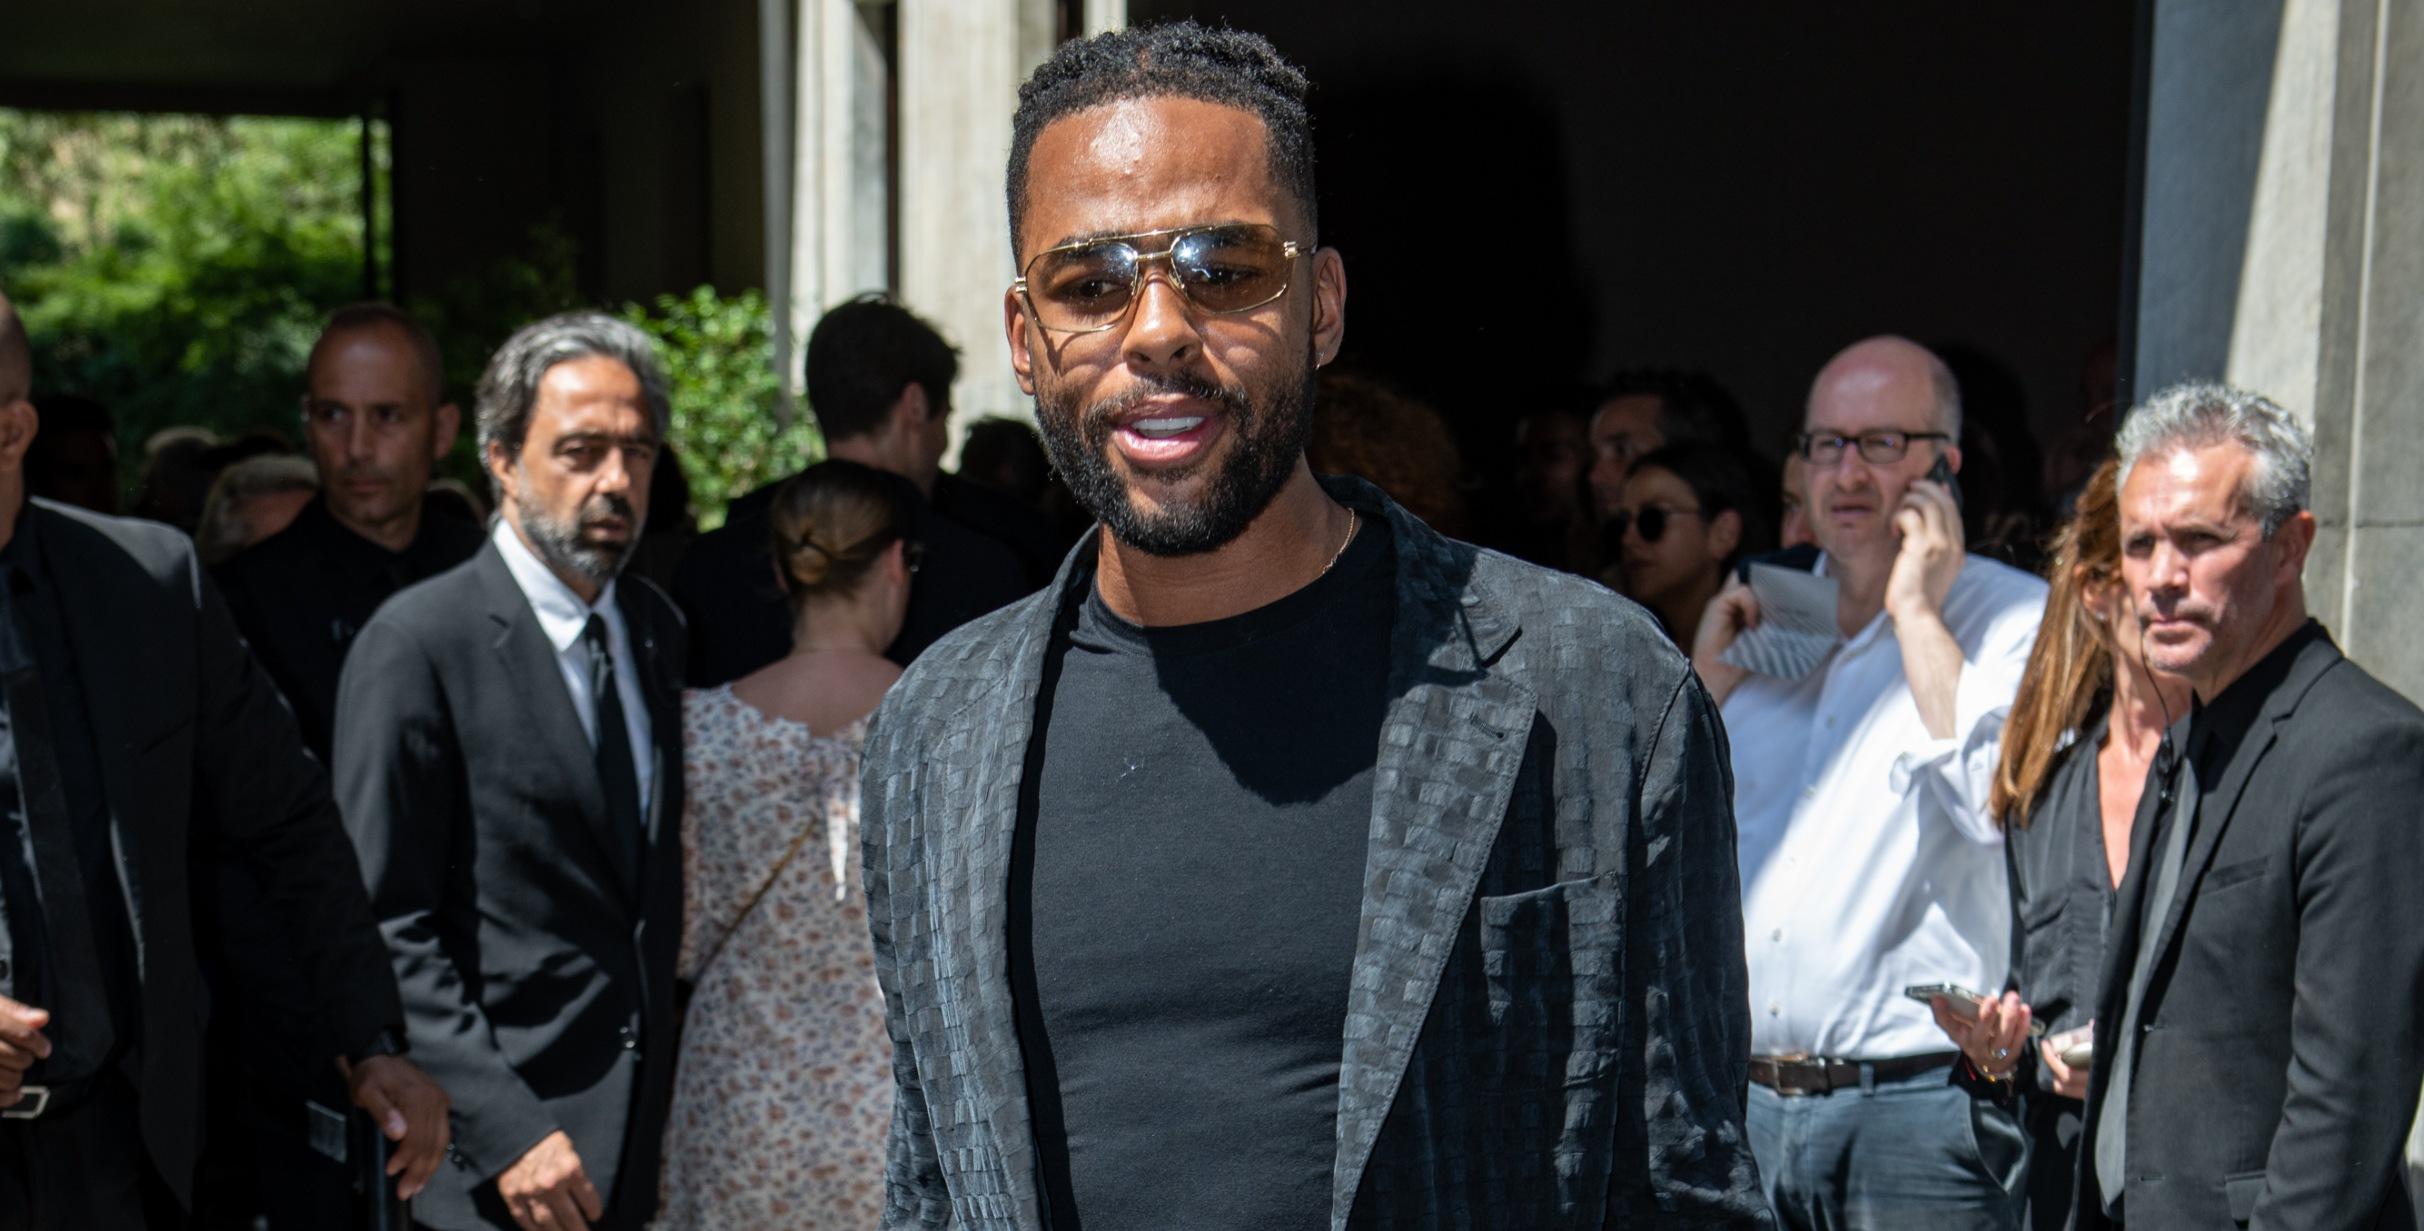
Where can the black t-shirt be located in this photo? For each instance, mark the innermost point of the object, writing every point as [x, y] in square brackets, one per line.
[1184, 897]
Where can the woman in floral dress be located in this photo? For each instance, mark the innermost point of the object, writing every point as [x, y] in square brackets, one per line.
[784, 1093]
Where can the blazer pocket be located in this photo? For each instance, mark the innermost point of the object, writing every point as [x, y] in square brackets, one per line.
[2241, 1191]
[2236, 873]
[1550, 960]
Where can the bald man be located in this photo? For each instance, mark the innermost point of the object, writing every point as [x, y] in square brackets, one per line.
[1869, 864]
[377, 421]
[134, 727]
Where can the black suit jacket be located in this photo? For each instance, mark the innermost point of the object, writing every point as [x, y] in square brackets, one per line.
[740, 621]
[1548, 1025]
[2281, 1037]
[536, 960]
[194, 740]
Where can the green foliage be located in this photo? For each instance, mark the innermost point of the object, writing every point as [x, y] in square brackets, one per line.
[176, 267]
[730, 427]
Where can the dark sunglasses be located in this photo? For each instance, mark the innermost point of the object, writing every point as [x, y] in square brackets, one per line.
[1088, 286]
[1651, 522]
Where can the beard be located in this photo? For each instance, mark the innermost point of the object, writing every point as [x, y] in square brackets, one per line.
[1267, 439]
[560, 546]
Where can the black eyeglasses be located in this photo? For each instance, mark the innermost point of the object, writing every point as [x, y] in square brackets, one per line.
[1088, 286]
[1876, 448]
[1651, 521]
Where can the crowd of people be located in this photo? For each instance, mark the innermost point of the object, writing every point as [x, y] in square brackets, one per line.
[1169, 820]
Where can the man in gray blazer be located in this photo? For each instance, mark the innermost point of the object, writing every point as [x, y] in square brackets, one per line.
[1283, 864]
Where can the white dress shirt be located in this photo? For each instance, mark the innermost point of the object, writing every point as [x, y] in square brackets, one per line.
[563, 617]
[1869, 863]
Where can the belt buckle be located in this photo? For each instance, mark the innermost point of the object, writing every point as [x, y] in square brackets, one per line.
[39, 1096]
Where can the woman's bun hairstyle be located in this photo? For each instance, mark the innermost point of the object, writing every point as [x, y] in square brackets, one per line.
[833, 521]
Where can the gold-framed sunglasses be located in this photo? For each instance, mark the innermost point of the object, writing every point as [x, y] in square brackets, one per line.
[1089, 286]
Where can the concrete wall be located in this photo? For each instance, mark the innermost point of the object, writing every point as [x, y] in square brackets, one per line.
[2284, 251]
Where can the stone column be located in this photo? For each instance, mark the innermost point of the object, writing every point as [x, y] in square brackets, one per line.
[2283, 250]
[961, 62]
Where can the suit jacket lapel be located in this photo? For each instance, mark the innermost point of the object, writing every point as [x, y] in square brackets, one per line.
[980, 763]
[116, 660]
[528, 661]
[1451, 745]
[663, 694]
[2221, 801]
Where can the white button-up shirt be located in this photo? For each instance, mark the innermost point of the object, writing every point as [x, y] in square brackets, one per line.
[1869, 863]
[564, 618]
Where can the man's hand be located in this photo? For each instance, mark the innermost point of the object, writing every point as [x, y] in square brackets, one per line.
[1991, 1035]
[21, 1043]
[546, 1189]
[1727, 615]
[1931, 556]
[410, 1109]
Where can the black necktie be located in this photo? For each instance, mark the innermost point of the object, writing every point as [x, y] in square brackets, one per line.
[82, 1034]
[616, 771]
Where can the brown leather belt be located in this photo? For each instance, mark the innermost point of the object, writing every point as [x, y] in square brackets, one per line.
[1798, 1075]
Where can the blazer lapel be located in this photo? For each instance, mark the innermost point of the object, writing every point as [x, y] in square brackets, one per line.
[979, 770]
[528, 660]
[1451, 745]
[663, 693]
[116, 659]
[2221, 803]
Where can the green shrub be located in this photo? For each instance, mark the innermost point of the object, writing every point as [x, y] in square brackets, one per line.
[730, 427]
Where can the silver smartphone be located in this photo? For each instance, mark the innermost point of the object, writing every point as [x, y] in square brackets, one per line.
[1924, 992]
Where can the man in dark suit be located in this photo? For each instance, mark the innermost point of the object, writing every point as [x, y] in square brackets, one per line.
[132, 726]
[376, 420]
[1283, 864]
[508, 751]
[879, 380]
[2260, 1032]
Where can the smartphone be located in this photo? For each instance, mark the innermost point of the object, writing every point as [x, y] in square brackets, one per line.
[1942, 472]
[2077, 1048]
[1924, 992]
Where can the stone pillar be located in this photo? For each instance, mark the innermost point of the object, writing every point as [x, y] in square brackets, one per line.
[2283, 250]
[961, 62]
[842, 209]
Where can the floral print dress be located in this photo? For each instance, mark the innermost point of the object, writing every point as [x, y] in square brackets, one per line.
[784, 1091]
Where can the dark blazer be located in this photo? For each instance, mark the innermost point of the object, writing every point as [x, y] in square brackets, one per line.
[1548, 1024]
[193, 740]
[536, 960]
[2282, 1032]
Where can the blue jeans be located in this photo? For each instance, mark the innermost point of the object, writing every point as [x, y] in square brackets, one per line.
[1890, 1156]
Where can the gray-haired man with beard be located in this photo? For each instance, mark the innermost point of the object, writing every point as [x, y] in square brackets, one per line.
[1283, 864]
[508, 755]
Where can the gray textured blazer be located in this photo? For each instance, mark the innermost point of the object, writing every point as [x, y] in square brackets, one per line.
[1548, 1024]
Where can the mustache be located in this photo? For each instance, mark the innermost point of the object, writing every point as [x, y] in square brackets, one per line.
[604, 505]
[1099, 414]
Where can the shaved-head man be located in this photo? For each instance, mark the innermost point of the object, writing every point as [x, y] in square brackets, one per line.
[136, 734]
[376, 420]
[1869, 864]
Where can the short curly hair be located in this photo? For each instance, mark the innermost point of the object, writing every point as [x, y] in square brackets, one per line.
[1176, 60]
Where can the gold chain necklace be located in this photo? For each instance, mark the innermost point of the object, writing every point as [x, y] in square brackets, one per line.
[1354, 523]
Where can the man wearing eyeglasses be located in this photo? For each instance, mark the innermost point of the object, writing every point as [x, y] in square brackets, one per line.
[1869, 864]
[1282, 865]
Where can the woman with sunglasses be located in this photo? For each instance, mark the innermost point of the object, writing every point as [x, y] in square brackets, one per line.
[784, 1091]
[1689, 510]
